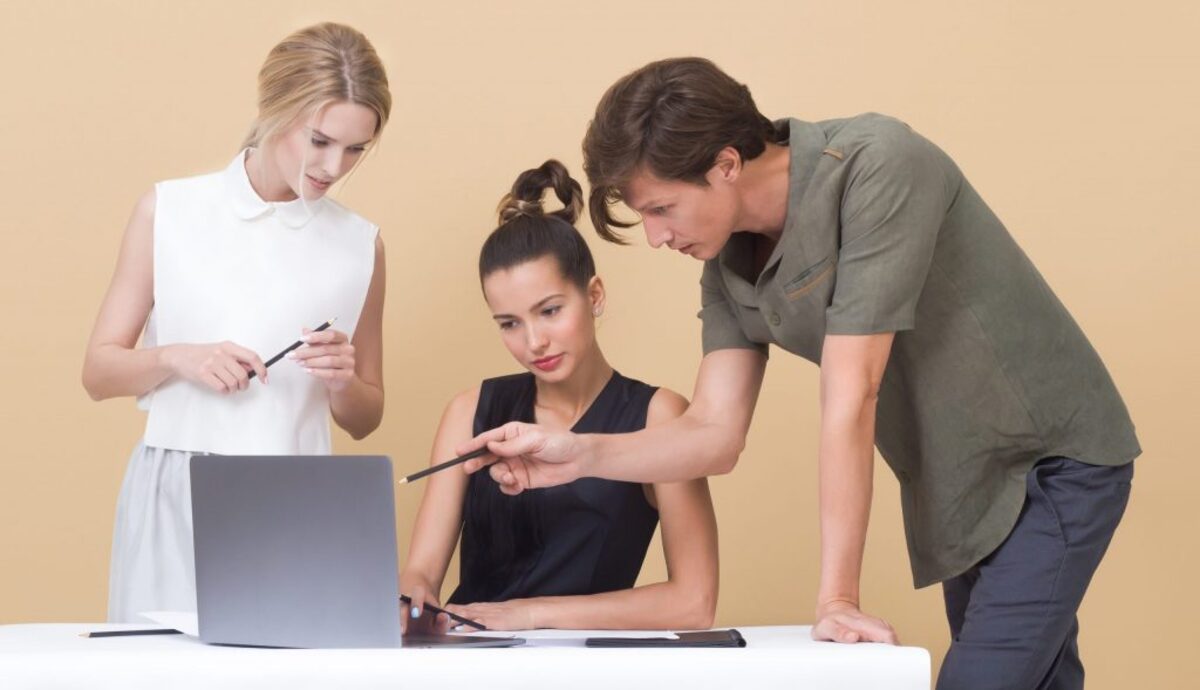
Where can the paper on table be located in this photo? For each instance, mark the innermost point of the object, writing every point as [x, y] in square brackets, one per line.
[183, 621]
[186, 623]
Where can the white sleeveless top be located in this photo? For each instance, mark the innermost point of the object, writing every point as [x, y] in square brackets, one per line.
[230, 266]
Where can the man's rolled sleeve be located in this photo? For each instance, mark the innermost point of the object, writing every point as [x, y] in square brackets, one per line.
[721, 330]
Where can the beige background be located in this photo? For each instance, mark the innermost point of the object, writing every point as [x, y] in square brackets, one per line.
[1075, 120]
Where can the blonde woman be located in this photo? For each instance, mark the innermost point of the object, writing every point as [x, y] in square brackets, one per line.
[220, 271]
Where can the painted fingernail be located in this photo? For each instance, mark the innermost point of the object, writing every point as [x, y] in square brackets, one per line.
[416, 612]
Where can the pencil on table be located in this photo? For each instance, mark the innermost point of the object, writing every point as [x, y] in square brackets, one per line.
[124, 633]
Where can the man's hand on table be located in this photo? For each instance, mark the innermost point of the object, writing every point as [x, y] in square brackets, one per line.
[843, 621]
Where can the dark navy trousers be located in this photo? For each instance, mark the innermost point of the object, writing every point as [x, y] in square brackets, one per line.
[1012, 615]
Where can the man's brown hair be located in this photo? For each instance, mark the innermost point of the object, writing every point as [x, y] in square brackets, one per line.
[670, 118]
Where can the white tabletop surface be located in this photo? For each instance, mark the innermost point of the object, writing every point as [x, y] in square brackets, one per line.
[55, 656]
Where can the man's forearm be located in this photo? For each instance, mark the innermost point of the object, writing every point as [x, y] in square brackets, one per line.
[683, 448]
[845, 460]
[705, 440]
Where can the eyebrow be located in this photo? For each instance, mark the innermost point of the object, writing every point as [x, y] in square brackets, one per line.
[323, 135]
[649, 204]
[533, 308]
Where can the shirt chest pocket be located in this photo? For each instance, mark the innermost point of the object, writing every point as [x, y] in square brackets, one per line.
[814, 279]
[804, 298]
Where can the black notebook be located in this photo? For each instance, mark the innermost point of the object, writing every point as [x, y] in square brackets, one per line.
[706, 638]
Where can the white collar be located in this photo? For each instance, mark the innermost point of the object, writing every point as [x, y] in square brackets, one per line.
[248, 205]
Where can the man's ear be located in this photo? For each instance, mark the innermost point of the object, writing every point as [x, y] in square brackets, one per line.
[728, 164]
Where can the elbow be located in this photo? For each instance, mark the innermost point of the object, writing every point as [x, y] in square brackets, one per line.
[368, 419]
[852, 397]
[727, 454]
[94, 390]
[366, 428]
[704, 617]
[700, 610]
[359, 433]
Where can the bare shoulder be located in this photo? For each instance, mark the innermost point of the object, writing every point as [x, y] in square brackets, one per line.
[380, 270]
[665, 405]
[138, 241]
[143, 210]
[141, 220]
[462, 405]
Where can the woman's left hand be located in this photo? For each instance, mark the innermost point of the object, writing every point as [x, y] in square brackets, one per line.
[327, 355]
[515, 614]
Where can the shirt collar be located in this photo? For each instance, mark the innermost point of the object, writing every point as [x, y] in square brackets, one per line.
[806, 140]
[248, 205]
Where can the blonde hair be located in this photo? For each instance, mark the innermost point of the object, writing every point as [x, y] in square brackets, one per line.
[312, 68]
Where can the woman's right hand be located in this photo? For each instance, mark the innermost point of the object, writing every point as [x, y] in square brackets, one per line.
[414, 618]
[223, 367]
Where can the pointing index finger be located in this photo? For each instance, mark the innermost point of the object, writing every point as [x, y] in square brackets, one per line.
[497, 434]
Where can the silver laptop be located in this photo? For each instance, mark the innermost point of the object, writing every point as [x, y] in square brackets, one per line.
[299, 551]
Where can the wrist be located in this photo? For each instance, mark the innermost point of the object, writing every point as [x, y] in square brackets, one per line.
[165, 358]
[591, 455]
[829, 603]
[838, 591]
[345, 388]
[541, 613]
[411, 580]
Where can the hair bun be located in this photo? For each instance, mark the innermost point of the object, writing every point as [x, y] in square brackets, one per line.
[525, 198]
[512, 208]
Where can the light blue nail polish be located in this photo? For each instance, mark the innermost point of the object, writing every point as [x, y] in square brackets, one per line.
[416, 612]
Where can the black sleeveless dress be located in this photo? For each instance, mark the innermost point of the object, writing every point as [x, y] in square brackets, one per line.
[585, 537]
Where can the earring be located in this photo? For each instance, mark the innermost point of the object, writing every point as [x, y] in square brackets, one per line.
[597, 311]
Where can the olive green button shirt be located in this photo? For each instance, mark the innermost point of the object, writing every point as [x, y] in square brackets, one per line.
[988, 371]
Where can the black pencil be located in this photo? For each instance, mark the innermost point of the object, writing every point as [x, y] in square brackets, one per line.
[439, 467]
[123, 633]
[291, 347]
[453, 616]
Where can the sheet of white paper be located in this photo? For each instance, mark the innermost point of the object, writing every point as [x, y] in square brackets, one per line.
[183, 621]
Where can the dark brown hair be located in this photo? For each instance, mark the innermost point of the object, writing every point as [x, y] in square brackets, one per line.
[527, 232]
[670, 118]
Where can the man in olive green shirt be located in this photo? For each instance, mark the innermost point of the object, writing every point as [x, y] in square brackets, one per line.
[859, 245]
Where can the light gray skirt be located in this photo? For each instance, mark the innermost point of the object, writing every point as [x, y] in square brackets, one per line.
[153, 566]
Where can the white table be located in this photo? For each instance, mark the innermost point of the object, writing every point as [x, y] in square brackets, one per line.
[55, 656]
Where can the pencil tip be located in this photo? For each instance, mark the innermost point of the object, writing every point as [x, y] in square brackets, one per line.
[403, 480]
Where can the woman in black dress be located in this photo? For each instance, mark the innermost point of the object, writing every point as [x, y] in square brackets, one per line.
[568, 556]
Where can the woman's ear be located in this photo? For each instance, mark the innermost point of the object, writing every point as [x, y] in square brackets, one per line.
[596, 295]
